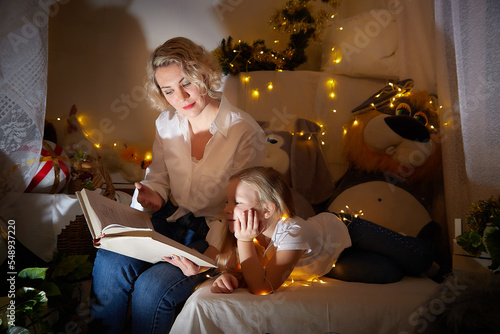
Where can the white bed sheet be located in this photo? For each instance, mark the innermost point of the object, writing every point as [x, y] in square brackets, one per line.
[323, 306]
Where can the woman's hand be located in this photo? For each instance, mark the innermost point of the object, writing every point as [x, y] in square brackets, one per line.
[248, 226]
[188, 268]
[148, 198]
[225, 283]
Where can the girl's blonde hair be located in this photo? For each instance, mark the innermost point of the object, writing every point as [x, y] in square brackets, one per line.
[196, 63]
[271, 187]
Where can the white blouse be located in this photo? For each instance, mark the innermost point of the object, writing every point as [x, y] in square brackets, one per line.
[323, 237]
[237, 142]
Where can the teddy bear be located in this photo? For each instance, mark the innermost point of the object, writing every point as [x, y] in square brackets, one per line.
[392, 147]
[299, 157]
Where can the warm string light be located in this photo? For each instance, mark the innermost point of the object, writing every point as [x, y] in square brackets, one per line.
[255, 93]
[331, 85]
[311, 134]
[145, 162]
[307, 283]
[82, 120]
[351, 213]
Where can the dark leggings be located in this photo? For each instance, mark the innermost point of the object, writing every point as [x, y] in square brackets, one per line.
[380, 255]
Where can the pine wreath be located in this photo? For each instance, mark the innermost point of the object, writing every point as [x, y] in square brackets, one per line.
[295, 18]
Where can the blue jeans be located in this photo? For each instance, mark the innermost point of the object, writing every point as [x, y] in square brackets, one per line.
[380, 255]
[152, 292]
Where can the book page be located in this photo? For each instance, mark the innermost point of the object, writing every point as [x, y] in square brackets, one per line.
[112, 213]
[152, 249]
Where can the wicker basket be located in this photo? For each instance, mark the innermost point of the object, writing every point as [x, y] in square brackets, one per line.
[76, 239]
[100, 177]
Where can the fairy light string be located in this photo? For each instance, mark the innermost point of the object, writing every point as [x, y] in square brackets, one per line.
[299, 19]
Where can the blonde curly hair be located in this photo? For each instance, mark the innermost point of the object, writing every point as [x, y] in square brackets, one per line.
[196, 63]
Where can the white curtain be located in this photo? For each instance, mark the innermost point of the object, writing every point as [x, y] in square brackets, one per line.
[468, 74]
[23, 90]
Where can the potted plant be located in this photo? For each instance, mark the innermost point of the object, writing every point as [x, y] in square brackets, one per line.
[483, 231]
[47, 297]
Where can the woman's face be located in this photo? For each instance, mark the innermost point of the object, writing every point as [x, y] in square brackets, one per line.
[240, 198]
[183, 95]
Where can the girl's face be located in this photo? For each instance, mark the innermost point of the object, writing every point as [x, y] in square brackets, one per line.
[240, 198]
[183, 95]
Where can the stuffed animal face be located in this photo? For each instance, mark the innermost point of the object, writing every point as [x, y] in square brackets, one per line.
[404, 143]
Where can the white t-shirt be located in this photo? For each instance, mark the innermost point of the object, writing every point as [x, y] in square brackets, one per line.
[199, 187]
[323, 237]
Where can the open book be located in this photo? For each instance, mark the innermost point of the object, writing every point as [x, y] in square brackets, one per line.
[128, 231]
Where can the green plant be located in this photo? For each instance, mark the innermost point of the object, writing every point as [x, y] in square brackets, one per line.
[483, 234]
[298, 18]
[47, 293]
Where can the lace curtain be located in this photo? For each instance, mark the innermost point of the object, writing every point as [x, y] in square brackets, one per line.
[23, 90]
[468, 72]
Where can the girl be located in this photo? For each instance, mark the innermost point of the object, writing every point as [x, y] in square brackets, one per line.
[260, 213]
[201, 140]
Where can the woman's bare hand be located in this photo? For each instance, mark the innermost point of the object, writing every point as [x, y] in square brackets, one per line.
[148, 198]
[188, 267]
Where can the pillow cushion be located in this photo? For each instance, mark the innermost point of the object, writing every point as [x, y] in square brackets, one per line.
[366, 46]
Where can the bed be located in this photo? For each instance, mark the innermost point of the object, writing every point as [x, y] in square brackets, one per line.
[322, 306]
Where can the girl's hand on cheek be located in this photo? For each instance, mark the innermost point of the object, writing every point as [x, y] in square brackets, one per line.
[248, 226]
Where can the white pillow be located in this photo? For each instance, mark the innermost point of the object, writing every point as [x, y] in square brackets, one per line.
[366, 46]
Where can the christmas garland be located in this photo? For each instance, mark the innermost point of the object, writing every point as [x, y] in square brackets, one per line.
[296, 19]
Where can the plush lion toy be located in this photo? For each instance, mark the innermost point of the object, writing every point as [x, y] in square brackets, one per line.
[392, 145]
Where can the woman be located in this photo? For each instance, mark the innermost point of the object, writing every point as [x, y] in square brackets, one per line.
[260, 210]
[201, 140]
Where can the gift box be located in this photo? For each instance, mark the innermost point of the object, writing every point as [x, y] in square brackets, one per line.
[53, 172]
